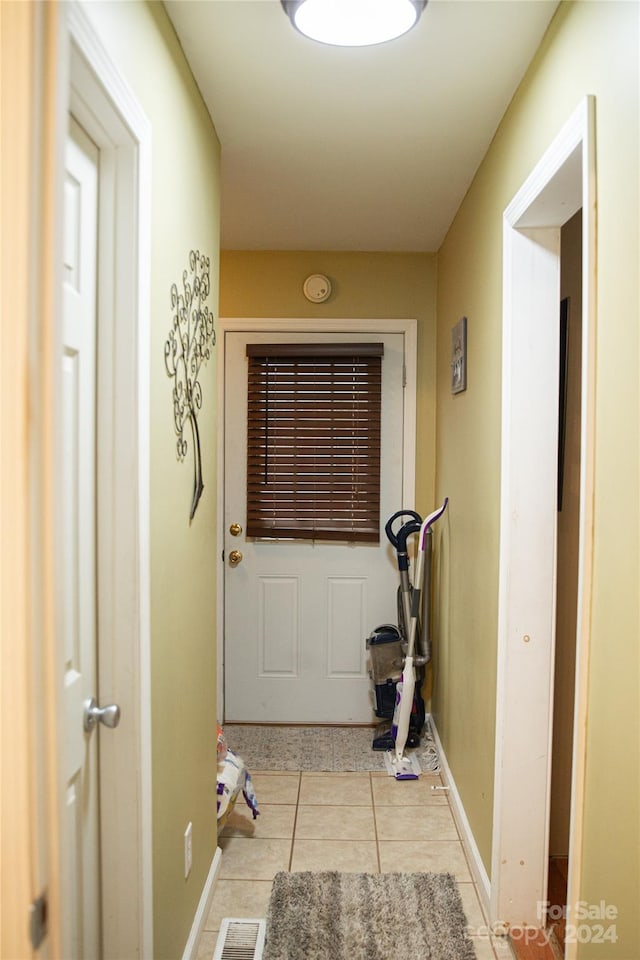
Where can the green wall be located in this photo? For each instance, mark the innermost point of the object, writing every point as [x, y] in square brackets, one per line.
[185, 215]
[376, 285]
[590, 48]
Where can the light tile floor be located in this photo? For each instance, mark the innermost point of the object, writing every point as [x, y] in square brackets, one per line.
[355, 822]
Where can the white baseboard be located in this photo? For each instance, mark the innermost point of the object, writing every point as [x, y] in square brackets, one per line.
[206, 897]
[476, 865]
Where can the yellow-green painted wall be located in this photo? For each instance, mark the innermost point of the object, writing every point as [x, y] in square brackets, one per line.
[374, 285]
[185, 215]
[590, 48]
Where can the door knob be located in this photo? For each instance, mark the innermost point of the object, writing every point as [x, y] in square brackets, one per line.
[235, 557]
[109, 715]
[235, 529]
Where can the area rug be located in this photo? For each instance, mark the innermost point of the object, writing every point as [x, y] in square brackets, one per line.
[363, 916]
[319, 748]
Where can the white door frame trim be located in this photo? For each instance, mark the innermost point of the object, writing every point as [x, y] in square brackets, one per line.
[561, 183]
[104, 104]
[312, 326]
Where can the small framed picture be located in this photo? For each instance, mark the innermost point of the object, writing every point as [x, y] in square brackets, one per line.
[459, 356]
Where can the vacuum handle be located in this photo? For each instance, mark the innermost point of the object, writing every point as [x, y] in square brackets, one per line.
[428, 523]
[393, 537]
[413, 526]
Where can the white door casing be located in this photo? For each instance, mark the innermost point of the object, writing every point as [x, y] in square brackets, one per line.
[561, 183]
[297, 613]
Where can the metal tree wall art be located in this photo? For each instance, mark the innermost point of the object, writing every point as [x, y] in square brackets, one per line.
[188, 346]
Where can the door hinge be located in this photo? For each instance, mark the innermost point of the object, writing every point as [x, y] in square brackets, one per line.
[38, 921]
[404, 374]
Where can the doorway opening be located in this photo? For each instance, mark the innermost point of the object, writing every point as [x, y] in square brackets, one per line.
[562, 183]
[569, 413]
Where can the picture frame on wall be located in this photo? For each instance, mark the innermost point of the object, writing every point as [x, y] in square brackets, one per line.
[459, 356]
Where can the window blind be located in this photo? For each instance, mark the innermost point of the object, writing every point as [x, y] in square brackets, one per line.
[313, 440]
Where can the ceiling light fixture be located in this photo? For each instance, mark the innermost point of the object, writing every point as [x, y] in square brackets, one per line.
[353, 23]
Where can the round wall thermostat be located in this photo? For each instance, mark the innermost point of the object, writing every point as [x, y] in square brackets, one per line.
[317, 288]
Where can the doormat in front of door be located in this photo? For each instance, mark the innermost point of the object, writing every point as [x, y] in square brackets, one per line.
[317, 748]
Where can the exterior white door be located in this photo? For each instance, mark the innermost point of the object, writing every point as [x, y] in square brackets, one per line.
[78, 513]
[297, 612]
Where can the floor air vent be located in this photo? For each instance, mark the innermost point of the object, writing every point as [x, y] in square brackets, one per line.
[240, 939]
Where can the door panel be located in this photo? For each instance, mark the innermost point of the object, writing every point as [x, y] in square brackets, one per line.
[78, 497]
[297, 612]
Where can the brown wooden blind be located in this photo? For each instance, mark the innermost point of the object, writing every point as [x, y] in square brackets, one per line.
[313, 441]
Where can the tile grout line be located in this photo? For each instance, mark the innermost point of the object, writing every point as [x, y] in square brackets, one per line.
[295, 820]
[375, 823]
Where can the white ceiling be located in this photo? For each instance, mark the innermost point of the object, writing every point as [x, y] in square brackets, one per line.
[373, 148]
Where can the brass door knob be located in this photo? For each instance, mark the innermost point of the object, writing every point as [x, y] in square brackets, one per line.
[235, 557]
[235, 529]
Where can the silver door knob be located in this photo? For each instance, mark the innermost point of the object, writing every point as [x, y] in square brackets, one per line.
[109, 715]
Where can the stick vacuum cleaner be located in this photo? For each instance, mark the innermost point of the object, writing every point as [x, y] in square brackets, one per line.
[387, 643]
[400, 765]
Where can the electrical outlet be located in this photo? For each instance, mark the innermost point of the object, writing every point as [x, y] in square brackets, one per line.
[188, 849]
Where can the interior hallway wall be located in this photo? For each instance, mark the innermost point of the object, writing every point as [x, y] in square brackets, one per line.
[376, 285]
[590, 48]
[185, 216]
